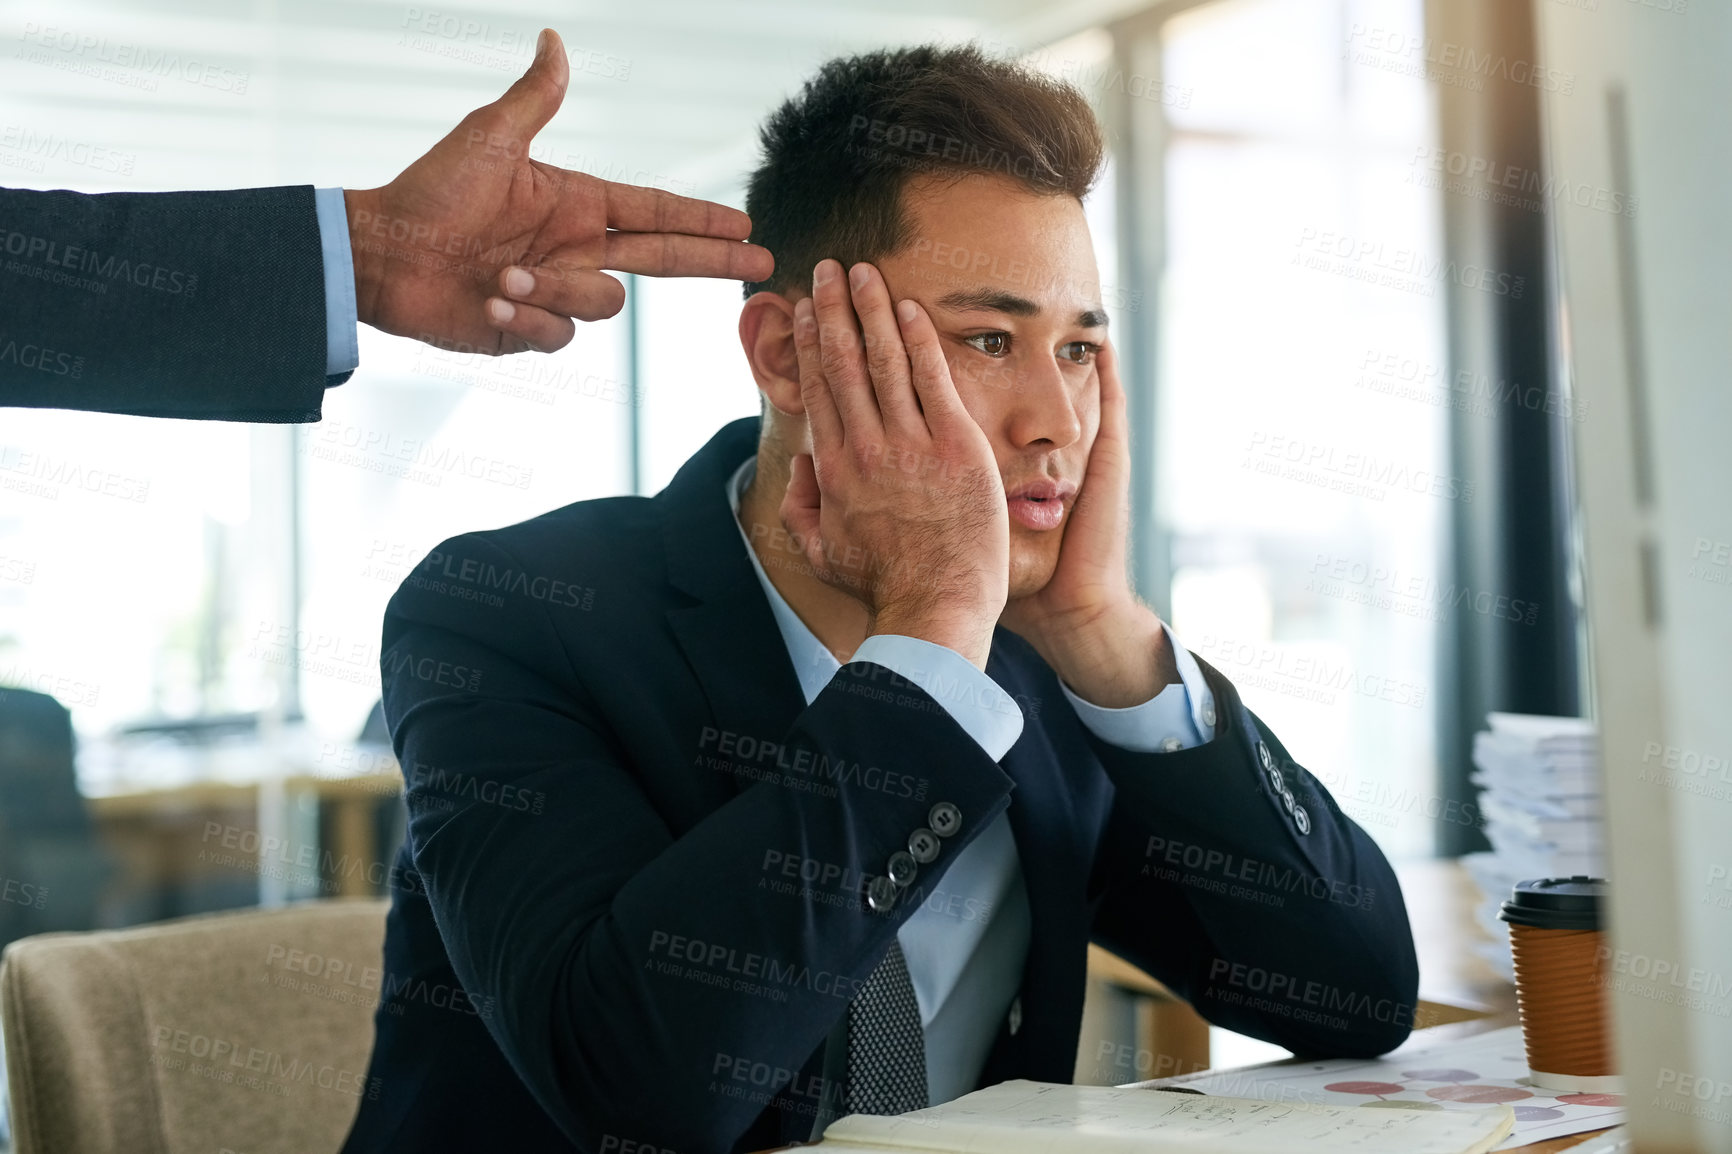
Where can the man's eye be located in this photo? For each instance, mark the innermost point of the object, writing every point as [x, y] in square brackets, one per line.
[1079, 352]
[992, 344]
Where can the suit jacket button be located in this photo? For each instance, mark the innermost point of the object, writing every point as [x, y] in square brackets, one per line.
[1015, 1022]
[923, 844]
[1287, 800]
[945, 819]
[881, 895]
[1301, 819]
[1264, 756]
[901, 868]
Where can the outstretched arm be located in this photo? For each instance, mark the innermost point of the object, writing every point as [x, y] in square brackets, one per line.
[212, 305]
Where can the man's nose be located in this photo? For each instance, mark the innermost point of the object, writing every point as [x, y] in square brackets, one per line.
[1044, 411]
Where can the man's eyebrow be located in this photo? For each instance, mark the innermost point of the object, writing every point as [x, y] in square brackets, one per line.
[1010, 304]
[994, 299]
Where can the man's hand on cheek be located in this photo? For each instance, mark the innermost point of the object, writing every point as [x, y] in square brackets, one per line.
[1087, 622]
[900, 502]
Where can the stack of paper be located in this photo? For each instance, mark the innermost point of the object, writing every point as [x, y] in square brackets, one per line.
[1541, 777]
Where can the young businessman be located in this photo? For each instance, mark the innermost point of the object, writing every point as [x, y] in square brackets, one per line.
[801, 788]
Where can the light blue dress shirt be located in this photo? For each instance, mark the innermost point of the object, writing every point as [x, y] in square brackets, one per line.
[342, 353]
[967, 943]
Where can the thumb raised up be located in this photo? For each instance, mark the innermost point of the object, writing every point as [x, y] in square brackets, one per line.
[530, 103]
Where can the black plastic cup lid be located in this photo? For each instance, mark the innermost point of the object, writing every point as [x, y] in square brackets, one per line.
[1556, 903]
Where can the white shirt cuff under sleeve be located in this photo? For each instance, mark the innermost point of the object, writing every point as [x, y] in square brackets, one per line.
[1178, 717]
[986, 713]
[342, 349]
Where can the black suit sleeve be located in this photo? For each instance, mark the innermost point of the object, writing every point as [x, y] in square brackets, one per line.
[1274, 916]
[625, 964]
[205, 305]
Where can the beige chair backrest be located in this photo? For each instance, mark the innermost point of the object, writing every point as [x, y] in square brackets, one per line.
[246, 1032]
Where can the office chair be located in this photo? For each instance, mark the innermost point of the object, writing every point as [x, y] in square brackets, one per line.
[52, 867]
[248, 1030]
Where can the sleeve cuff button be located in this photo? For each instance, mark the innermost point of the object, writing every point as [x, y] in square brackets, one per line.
[881, 895]
[945, 819]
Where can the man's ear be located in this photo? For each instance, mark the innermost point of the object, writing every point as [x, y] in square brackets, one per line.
[767, 335]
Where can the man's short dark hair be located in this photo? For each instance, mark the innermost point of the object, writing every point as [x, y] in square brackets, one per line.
[837, 156]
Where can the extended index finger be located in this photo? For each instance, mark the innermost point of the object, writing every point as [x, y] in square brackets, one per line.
[675, 254]
[631, 208]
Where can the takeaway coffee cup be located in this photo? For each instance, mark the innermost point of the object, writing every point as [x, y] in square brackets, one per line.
[1556, 938]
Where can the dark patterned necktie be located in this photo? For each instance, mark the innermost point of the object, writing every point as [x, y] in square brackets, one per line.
[886, 1048]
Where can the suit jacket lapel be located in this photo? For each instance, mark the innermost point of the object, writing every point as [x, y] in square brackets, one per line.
[728, 634]
[1042, 812]
[1054, 853]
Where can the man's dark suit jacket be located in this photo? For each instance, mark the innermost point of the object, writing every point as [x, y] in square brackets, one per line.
[203, 305]
[591, 943]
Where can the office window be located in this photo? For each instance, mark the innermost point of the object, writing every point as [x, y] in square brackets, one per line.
[1301, 460]
[692, 373]
[114, 542]
[437, 443]
[151, 570]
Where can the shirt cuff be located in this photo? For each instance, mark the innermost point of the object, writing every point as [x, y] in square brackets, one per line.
[1178, 717]
[986, 713]
[342, 353]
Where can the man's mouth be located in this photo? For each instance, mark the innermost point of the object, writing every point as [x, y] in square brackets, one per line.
[1039, 504]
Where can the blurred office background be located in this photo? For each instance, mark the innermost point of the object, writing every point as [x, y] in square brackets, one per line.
[1325, 236]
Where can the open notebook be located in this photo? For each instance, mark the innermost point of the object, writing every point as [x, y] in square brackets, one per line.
[1043, 1118]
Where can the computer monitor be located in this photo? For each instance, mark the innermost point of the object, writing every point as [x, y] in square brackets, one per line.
[1642, 180]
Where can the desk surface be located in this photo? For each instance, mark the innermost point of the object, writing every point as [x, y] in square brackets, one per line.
[1440, 898]
[151, 817]
[1419, 1039]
